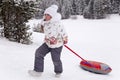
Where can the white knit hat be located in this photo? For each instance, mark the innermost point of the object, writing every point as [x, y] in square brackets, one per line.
[52, 10]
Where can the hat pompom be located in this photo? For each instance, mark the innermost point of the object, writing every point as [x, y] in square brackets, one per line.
[55, 7]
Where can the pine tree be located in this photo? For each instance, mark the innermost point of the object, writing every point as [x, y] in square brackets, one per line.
[77, 7]
[101, 8]
[0, 12]
[64, 8]
[97, 9]
[119, 9]
[115, 6]
[37, 14]
[74, 8]
[1, 22]
[88, 11]
[14, 16]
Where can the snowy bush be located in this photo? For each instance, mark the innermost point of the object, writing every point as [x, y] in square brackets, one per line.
[14, 16]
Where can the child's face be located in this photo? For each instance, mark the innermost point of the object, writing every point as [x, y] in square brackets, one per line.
[47, 17]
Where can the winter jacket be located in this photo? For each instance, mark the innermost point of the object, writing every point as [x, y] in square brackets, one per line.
[55, 34]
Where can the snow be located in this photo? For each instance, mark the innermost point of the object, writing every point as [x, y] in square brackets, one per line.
[97, 40]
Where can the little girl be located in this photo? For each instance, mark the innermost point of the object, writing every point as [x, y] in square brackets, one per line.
[55, 38]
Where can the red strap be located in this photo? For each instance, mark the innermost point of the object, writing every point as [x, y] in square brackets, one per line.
[74, 52]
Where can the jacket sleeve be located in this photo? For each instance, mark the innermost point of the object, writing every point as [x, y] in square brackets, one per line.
[63, 32]
[39, 27]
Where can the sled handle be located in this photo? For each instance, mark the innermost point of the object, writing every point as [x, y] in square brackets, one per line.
[74, 52]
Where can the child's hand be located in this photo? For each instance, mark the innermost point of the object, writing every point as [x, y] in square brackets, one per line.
[53, 40]
[65, 40]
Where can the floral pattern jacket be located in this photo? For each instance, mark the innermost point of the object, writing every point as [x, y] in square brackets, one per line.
[55, 34]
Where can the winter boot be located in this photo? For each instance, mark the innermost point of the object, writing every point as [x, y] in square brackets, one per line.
[57, 75]
[34, 73]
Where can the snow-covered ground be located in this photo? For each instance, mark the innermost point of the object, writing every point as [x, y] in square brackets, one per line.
[97, 40]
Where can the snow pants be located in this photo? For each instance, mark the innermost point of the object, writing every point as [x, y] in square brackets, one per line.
[55, 55]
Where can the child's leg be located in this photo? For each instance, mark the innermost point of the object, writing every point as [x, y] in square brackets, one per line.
[39, 57]
[55, 54]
